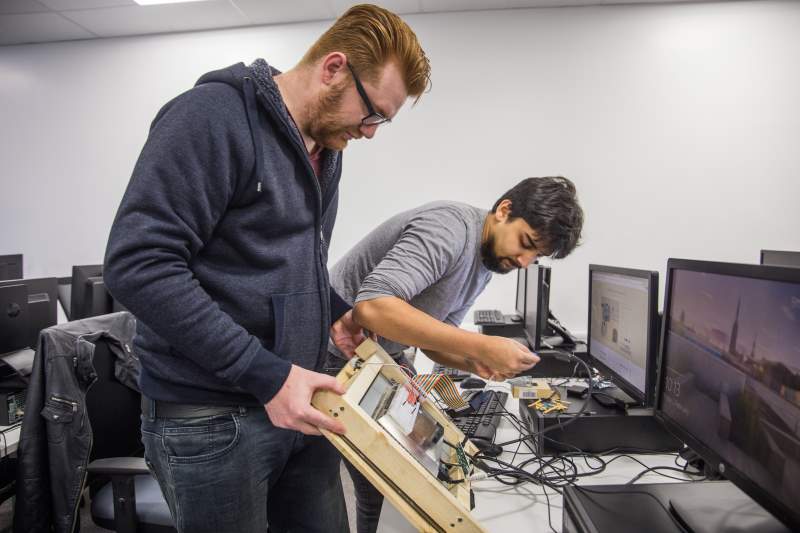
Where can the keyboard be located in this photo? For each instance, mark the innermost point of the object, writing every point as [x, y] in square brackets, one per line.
[482, 424]
[453, 373]
[489, 316]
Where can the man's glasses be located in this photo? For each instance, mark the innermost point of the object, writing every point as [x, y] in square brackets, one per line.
[373, 118]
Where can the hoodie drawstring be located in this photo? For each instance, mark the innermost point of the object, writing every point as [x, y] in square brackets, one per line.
[251, 108]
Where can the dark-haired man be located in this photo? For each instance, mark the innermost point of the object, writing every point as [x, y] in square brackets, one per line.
[413, 278]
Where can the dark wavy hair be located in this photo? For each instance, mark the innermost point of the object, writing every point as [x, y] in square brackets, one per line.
[550, 206]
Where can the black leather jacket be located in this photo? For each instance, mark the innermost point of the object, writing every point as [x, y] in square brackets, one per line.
[56, 438]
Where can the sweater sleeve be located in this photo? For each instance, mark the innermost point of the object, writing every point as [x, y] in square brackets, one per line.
[186, 175]
[429, 247]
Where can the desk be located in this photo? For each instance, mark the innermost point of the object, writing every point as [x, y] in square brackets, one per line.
[11, 442]
[503, 509]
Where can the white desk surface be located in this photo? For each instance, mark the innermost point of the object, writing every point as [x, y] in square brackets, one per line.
[503, 509]
[9, 439]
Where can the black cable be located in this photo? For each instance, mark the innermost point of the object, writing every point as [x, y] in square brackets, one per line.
[558, 471]
[655, 468]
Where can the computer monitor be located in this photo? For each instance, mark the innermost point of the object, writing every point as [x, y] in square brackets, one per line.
[780, 258]
[27, 307]
[729, 385]
[520, 302]
[10, 267]
[537, 304]
[89, 294]
[65, 295]
[623, 331]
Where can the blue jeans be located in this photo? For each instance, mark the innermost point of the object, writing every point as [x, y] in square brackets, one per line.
[237, 472]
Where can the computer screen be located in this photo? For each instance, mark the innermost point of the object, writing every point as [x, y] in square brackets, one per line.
[622, 327]
[730, 378]
[537, 304]
[89, 294]
[28, 306]
[520, 305]
[10, 267]
[780, 258]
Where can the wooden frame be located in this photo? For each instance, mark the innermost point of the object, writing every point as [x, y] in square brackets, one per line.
[429, 504]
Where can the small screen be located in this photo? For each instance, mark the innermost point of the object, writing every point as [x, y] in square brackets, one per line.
[619, 325]
[732, 374]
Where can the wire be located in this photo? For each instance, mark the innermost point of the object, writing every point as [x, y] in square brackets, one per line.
[553, 473]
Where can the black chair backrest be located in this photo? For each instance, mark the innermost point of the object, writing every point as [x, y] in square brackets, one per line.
[114, 410]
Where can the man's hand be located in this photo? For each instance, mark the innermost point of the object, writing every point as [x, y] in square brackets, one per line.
[505, 356]
[291, 407]
[347, 335]
[485, 372]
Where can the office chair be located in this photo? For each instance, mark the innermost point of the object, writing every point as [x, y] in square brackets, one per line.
[132, 501]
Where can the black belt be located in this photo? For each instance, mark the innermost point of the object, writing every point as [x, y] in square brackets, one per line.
[163, 409]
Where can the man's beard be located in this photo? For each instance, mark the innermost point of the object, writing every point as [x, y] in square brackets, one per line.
[325, 125]
[490, 259]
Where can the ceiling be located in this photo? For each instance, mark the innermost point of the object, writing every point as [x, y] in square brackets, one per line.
[38, 21]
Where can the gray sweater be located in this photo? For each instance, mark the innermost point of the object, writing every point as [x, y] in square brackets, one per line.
[428, 257]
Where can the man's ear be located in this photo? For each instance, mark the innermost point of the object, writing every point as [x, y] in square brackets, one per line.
[503, 211]
[334, 67]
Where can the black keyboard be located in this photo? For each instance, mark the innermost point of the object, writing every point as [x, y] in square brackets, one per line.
[483, 422]
[489, 316]
[453, 373]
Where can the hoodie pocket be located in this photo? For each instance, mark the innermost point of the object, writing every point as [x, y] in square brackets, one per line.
[298, 326]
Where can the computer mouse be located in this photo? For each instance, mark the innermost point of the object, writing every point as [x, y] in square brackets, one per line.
[487, 448]
[473, 383]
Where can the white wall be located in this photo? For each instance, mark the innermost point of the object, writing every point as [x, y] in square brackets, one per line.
[680, 125]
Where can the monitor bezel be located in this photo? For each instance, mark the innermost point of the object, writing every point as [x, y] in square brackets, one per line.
[38, 315]
[793, 252]
[646, 397]
[13, 259]
[542, 304]
[522, 277]
[770, 273]
[81, 292]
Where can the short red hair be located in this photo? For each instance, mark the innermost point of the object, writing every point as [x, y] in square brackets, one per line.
[371, 36]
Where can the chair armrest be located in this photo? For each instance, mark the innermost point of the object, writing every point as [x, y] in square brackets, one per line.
[114, 466]
[122, 471]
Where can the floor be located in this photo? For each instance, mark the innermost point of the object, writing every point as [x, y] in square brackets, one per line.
[87, 526]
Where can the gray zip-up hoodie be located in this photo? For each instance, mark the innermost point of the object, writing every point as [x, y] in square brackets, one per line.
[219, 247]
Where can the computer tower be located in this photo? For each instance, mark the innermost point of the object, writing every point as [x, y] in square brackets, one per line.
[12, 406]
[601, 430]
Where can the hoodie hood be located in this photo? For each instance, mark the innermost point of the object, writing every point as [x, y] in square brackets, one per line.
[259, 72]
[257, 83]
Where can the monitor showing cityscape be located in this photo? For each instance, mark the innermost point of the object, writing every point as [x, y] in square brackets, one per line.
[730, 385]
